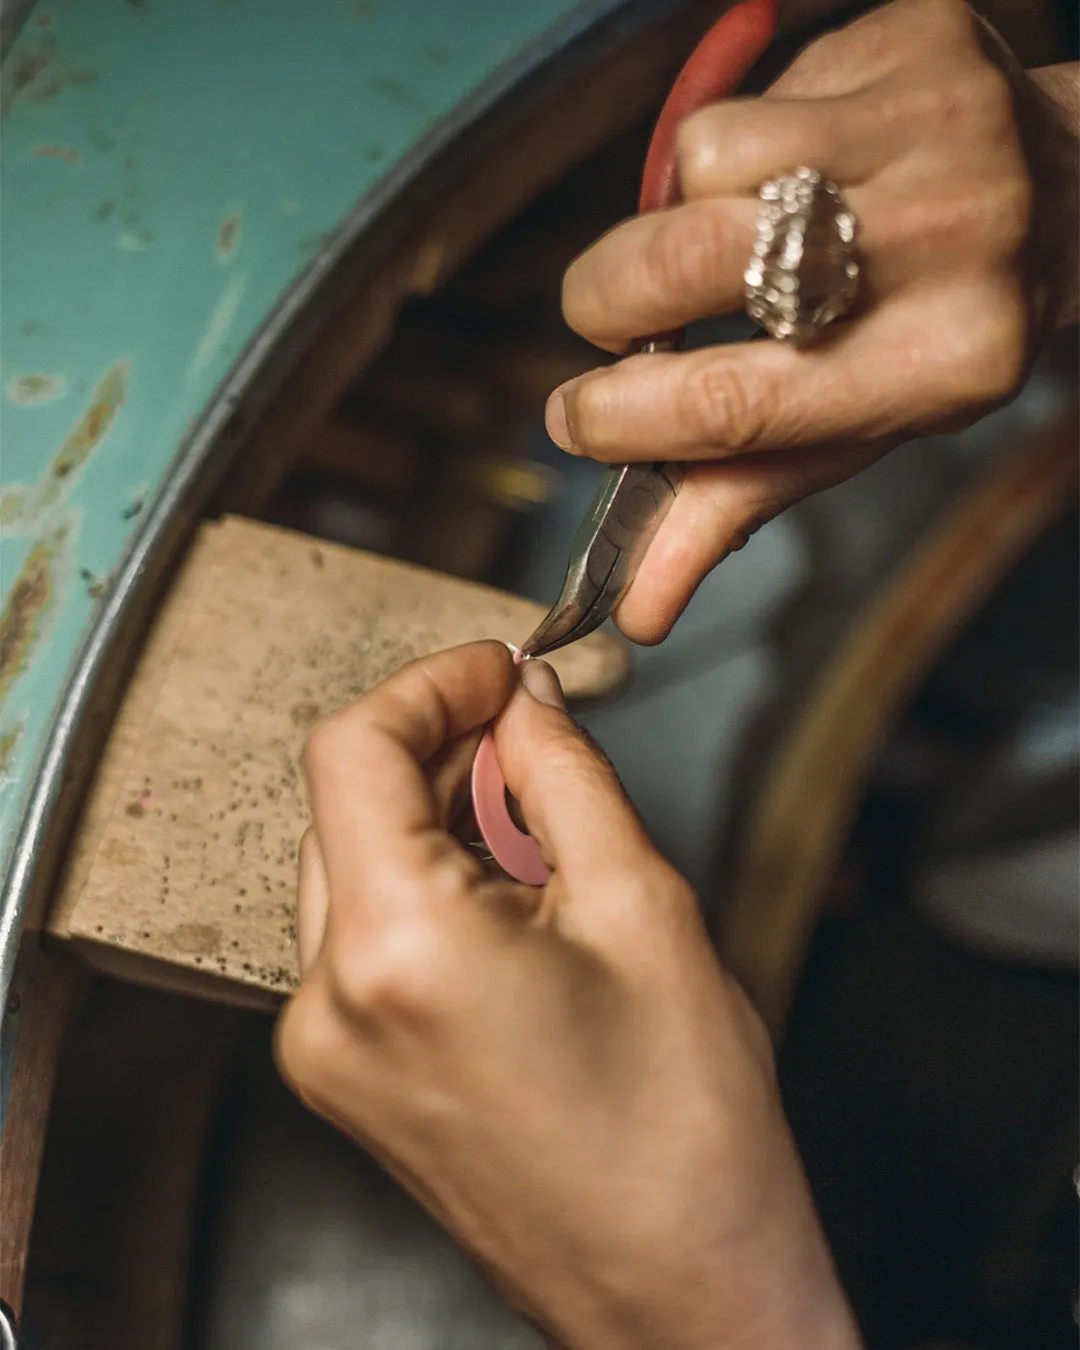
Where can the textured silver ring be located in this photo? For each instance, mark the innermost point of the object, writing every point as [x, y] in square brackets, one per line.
[804, 270]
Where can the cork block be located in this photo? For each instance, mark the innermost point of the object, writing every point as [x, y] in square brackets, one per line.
[183, 871]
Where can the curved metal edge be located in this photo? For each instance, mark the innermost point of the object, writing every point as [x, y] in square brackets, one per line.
[365, 237]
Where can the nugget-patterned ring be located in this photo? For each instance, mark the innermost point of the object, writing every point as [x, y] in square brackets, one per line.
[804, 270]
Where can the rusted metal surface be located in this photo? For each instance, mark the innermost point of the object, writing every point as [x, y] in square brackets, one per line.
[180, 205]
[26, 607]
[23, 506]
[38, 71]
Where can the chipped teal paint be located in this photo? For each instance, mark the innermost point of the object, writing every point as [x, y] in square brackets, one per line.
[166, 166]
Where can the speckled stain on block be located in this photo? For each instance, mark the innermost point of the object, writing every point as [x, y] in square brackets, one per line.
[188, 866]
[26, 608]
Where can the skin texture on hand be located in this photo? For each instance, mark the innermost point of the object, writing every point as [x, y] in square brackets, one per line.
[563, 1076]
[962, 173]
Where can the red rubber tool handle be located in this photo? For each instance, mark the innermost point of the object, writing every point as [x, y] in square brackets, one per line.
[717, 66]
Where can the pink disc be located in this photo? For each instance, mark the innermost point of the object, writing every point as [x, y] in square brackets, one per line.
[516, 852]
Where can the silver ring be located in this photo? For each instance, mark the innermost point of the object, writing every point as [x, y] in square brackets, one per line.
[804, 270]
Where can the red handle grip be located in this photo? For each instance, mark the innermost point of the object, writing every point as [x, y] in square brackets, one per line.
[717, 66]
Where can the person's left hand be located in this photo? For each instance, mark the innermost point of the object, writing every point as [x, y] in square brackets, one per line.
[563, 1075]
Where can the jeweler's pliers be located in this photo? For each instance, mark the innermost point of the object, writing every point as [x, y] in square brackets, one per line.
[633, 499]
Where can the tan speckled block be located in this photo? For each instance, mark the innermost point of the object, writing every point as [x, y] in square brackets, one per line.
[183, 871]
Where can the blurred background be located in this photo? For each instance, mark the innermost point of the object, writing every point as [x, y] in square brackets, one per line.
[929, 1055]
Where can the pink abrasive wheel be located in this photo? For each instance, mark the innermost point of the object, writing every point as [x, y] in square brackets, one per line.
[516, 852]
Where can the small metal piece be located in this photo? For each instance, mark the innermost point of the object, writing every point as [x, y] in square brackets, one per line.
[804, 271]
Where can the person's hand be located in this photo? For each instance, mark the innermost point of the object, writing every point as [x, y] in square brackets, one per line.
[962, 174]
[563, 1076]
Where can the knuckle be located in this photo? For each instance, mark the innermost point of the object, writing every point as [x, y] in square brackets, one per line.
[1000, 364]
[958, 93]
[663, 888]
[639, 894]
[391, 976]
[805, 77]
[989, 96]
[988, 357]
[594, 284]
[720, 406]
[322, 747]
[947, 18]
[588, 413]
[1005, 214]
[648, 897]
[700, 143]
[948, 22]
[306, 1043]
[444, 875]
[981, 104]
[580, 302]
[748, 521]
[736, 521]
[1016, 212]
[880, 37]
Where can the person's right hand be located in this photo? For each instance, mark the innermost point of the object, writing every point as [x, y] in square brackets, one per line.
[962, 173]
[563, 1075]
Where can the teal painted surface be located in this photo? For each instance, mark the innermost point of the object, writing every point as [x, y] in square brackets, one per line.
[168, 168]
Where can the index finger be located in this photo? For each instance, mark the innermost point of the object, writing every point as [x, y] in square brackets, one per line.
[930, 353]
[371, 800]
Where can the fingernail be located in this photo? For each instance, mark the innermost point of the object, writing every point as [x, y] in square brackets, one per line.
[542, 682]
[558, 427]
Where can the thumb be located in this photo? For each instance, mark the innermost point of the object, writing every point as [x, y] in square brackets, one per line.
[573, 803]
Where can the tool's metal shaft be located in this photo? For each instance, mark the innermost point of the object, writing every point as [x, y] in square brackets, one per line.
[631, 502]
